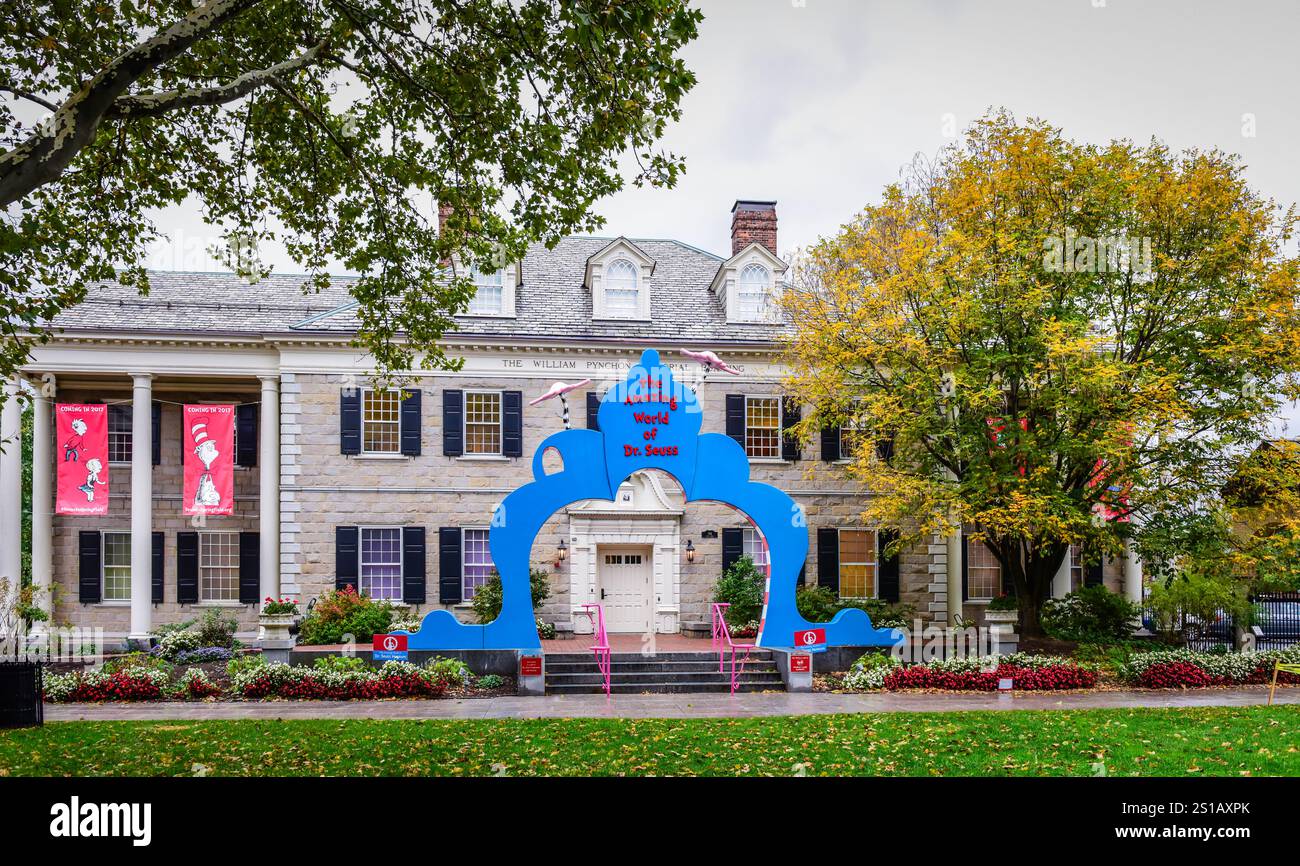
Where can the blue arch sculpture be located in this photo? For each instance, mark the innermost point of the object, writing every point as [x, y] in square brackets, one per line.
[647, 421]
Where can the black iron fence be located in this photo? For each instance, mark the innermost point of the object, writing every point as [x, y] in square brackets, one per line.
[1273, 623]
[20, 695]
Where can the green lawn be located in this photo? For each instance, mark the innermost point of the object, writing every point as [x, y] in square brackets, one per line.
[1204, 741]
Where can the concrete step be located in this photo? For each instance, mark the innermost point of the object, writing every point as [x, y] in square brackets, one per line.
[758, 654]
[690, 687]
[618, 667]
[653, 677]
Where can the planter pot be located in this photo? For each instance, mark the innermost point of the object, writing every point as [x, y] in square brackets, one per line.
[275, 627]
[1002, 616]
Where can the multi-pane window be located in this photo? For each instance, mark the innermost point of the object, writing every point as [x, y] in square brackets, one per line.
[983, 572]
[381, 563]
[117, 566]
[482, 422]
[489, 295]
[476, 561]
[119, 433]
[1076, 566]
[857, 563]
[219, 566]
[381, 421]
[753, 293]
[622, 295]
[852, 433]
[753, 546]
[763, 426]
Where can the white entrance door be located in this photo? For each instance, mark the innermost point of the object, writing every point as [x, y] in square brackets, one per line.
[625, 588]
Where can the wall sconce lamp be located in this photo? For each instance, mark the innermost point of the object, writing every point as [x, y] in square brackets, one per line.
[690, 550]
[561, 553]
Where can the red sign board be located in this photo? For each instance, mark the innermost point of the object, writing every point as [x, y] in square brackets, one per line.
[800, 664]
[810, 637]
[390, 643]
[530, 666]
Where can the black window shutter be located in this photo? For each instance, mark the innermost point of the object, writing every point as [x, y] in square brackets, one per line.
[155, 434]
[512, 423]
[411, 420]
[246, 439]
[888, 568]
[90, 566]
[453, 423]
[828, 558]
[250, 567]
[736, 418]
[187, 568]
[347, 558]
[885, 449]
[593, 410]
[350, 421]
[156, 568]
[1093, 576]
[733, 546]
[791, 413]
[965, 568]
[830, 444]
[413, 565]
[449, 565]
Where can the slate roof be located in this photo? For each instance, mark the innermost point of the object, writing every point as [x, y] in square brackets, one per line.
[550, 302]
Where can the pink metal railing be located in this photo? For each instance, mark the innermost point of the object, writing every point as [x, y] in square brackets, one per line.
[721, 640]
[601, 647]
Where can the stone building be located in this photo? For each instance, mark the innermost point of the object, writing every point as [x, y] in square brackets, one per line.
[342, 483]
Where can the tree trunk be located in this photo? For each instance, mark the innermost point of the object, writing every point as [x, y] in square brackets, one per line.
[1033, 582]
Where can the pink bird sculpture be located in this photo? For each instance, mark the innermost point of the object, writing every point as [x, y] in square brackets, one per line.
[711, 361]
[559, 389]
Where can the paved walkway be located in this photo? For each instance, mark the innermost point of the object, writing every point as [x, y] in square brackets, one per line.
[664, 706]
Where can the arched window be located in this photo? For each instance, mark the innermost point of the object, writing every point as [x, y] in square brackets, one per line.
[621, 289]
[754, 293]
[489, 299]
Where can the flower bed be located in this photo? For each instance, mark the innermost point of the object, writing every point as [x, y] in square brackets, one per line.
[138, 684]
[1172, 669]
[393, 680]
[1030, 673]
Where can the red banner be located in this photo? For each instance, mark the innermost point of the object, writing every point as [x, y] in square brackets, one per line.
[81, 432]
[209, 437]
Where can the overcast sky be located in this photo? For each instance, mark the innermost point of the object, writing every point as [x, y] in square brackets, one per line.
[818, 103]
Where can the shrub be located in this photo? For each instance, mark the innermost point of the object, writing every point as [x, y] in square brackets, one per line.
[217, 628]
[821, 603]
[340, 664]
[451, 671]
[344, 612]
[490, 681]
[488, 597]
[742, 588]
[409, 624]
[137, 661]
[1004, 602]
[868, 673]
[1093, 613]
[545, 630]
[174, 643]
[1173, 675]
[203, 655]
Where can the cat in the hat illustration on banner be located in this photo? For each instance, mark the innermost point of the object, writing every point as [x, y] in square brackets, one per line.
[209, 459]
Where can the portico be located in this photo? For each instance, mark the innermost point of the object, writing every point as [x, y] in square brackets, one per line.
[142, 538]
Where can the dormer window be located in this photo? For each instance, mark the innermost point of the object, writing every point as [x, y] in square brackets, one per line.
[488, 298]
[494, 291]
[619, 277]
[621, 289]
[754, 293]
[747, 285]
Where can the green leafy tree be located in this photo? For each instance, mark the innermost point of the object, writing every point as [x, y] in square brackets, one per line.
[347, 123]
[1060, 340]
[742, 588]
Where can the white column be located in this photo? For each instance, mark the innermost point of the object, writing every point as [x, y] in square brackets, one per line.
[268, 502]
[11, 487]
[42, 500]
[1132, 573]
[141, 505]
[955, 553]
[1061, 580]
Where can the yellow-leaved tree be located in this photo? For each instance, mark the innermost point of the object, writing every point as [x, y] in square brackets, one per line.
[1060, 340]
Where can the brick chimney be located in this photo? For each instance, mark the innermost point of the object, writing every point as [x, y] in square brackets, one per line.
[753, 221]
